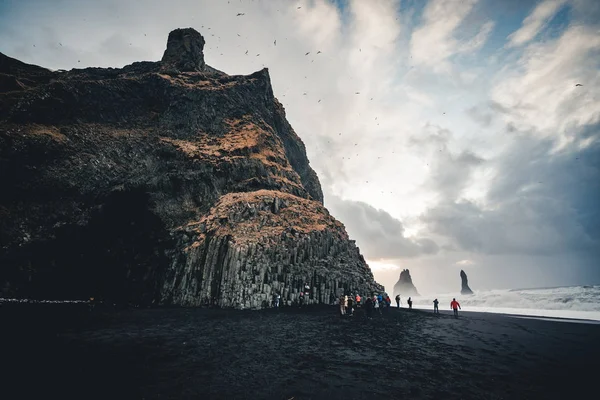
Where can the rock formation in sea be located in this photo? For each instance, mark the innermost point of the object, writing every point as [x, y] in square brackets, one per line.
[465, 289]
[163, 182]
[405, 287]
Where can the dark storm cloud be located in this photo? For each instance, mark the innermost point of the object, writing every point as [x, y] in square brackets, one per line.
[379, 235]
[540, 203]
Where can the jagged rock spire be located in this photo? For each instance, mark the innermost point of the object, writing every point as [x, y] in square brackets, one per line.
[465, 289]
[184, 51]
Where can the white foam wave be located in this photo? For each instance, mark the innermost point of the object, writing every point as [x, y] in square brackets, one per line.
[560, 302]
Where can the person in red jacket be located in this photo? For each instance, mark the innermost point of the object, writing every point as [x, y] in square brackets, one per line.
[455, 305]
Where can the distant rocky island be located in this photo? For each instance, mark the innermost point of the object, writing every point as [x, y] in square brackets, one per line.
[465, 289]
[164, 182]
[405, 286]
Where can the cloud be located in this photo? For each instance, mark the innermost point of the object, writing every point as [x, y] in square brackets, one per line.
[539, 204]
[433, 43]
[480, 116]
[382, 266]
[450, 171]
[377, 233]
[539, 94]
[479, 39]
[535, 22]
[464, 262]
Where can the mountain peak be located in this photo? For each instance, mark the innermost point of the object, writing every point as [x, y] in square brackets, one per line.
[185, 51]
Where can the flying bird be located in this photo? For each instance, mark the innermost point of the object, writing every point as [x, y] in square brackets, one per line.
[307, 53]
[239, 35]
[304, 94]
[238, 15]
[275, 42]
[60, 44]
[357, 93]
[579, 84]
[319, 52]
[299, 8]
[246, 52]
[258, 55]
[319, 101]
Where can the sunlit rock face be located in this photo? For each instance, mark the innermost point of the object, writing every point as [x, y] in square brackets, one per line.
[162, 183]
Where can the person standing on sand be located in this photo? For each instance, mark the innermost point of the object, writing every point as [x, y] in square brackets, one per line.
[369, 307]
[342, 306]
[435, 306]
[409, 301]
[357, 300]
[350, 304]
[398, 300]
[455, 305]
[376, 304]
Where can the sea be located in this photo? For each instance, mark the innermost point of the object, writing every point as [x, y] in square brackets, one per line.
[569, 302]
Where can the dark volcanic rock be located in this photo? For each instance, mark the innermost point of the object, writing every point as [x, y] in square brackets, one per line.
[405, 286]
[162, 182]
[185, 51]
[465, 289]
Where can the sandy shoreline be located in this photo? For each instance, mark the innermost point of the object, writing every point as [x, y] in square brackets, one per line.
[66, 351]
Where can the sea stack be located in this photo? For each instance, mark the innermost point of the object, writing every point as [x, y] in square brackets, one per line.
[465, 289]
[165, 182]
[405, 287]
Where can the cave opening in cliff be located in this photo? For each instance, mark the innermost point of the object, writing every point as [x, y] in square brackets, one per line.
[119, 255]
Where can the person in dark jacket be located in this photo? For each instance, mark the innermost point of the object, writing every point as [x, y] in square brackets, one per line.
[369, 307]
[350, 308]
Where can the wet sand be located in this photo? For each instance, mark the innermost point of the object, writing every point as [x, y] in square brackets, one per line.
[65, 351]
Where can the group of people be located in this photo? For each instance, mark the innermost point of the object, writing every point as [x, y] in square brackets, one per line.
[374, 304]
[379, 302]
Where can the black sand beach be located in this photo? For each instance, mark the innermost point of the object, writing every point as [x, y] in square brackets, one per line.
[64, 351]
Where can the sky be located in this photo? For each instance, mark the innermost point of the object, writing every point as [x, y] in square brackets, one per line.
[447, 134]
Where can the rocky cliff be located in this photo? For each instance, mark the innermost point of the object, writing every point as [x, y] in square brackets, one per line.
[465, 289]
[405, 286]
[163, 182]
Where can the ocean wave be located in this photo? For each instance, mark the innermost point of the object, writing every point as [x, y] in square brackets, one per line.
[563, 301]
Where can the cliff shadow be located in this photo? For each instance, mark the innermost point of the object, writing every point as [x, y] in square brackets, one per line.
[118, 256]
